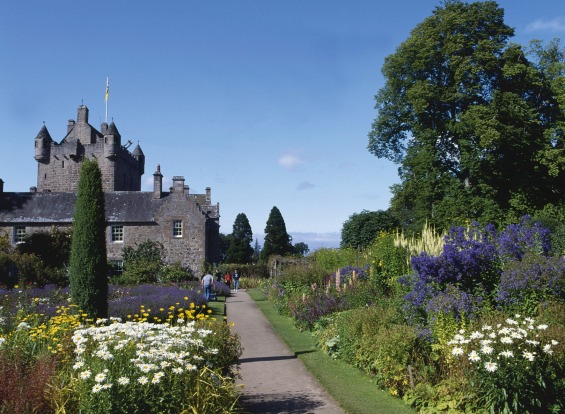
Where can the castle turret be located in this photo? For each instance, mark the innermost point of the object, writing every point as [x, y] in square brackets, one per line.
[140, 157]
[43, 145]
[112, 141]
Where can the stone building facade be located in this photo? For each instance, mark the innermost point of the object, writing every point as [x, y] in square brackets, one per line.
[187, 225]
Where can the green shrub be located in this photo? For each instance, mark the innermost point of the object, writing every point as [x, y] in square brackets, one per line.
[389, 263]
[175, 273]
[142, 264]
[331, 259]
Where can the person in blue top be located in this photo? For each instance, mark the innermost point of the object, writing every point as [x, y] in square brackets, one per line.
[235, 280]
[207, 282]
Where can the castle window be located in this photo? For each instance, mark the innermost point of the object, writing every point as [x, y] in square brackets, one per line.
[19, 234]
[117, 234]
[177, 228]
[62, 164]
[116, 267]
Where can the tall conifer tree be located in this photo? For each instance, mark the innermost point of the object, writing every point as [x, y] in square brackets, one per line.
[88, 262]
[240, 250]
[277, 240]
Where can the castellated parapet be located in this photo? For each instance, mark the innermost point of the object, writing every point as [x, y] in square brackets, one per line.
[59, 163]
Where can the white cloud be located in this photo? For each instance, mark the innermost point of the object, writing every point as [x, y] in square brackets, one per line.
[557, 24]
[289, 161]
[305, 185]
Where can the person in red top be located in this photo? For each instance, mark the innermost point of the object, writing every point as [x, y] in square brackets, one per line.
[227, 279]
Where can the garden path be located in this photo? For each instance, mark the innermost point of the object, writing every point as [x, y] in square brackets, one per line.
[275, 380]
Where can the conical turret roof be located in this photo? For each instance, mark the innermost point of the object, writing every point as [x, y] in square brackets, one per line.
[113, 130]
[137, 151]
[44, 134]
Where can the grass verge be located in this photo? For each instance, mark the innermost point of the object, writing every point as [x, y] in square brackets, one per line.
[351, 388]
[218, 307]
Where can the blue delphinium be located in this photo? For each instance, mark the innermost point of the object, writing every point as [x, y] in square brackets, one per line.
[534, 279]
[518, 239]
[468, 270]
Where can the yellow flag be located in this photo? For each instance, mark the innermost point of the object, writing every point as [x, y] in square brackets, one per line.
[107, 89]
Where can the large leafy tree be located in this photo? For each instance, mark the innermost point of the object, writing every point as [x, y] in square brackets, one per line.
[240, 250]
[277, 240]
[88, 271]
[362, 228]
[475, 126]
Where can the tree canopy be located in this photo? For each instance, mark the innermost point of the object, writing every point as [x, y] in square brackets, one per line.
[239, 249]
[88, 271]
[362, 228]
[277, 240]
[477, 128]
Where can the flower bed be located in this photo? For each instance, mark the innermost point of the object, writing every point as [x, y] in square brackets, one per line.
[167, 358]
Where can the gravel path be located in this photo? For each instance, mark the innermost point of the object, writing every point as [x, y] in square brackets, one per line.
[275, 381]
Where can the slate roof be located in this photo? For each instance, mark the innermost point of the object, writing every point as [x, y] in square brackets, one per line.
[44, 134]
[137, 151]
[113, 130]
[121, 206]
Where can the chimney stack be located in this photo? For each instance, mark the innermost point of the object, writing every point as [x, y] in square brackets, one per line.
[157, 183]
[178, 184]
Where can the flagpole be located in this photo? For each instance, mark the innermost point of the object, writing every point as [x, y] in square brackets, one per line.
[106, 98]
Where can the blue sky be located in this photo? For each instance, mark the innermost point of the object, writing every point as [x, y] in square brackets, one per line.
[267, 102]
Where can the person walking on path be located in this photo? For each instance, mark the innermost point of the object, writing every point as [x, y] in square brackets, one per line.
[235, 280]
[207, 282]
[274, 380]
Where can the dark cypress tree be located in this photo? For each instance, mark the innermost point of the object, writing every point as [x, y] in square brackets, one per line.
[240, 250]
[277, 240]
[88, 262]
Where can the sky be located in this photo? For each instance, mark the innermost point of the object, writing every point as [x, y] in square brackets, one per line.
[268, 103]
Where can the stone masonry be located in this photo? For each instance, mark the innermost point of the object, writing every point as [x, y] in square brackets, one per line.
[187, 225]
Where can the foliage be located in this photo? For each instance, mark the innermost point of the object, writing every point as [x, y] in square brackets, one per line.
[256, 252]
[240, 250]
[360, 229]
[88, 262]
[389, 264]
[174, 273]
[257, 270]
[277, 240]
[300, 249]
[224, 242]
[461, 111]
[306, 310]
[372, 339]
[142, 263]
[331, 259]
[53, 249]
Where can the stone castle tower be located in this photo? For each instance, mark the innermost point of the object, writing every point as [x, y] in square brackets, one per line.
[58, 164]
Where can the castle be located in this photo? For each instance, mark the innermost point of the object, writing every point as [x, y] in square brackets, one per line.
[187, 225]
